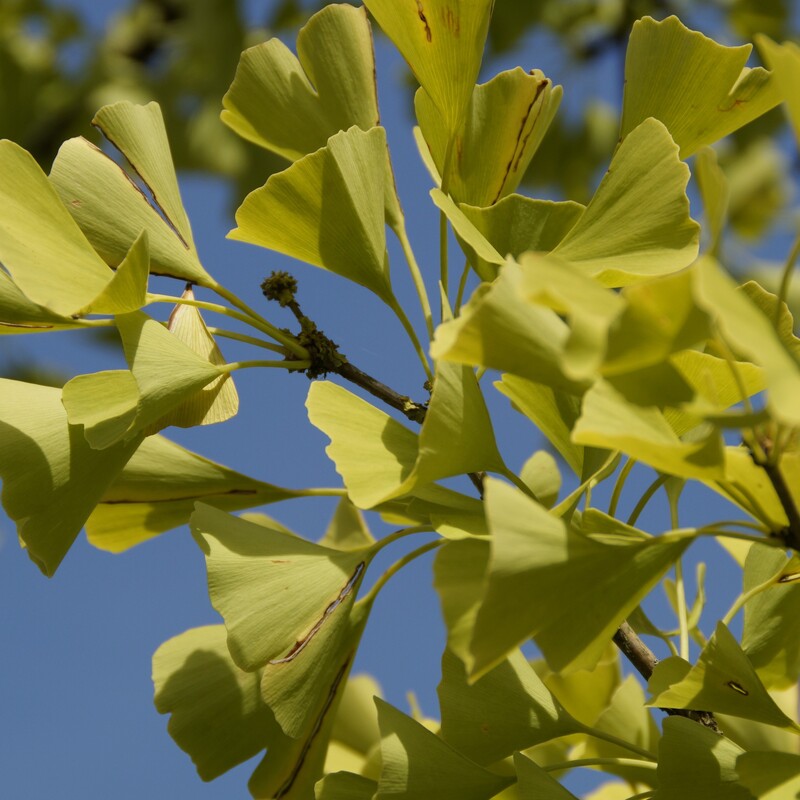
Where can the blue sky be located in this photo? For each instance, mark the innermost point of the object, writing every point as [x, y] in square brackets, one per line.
[76, 696]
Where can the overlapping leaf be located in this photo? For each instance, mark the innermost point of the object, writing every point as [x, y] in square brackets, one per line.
[723, 679]
[115, 405]
[442, 41]
[345, 786]
[417, 765]
[46, 254]
[543, 578]
[288, 608]
[504, 125]
[327, 209]
[293, 104]
[770, 776]
[157, 489]
[52, 478]
[506, 710]
[704, 91]
[111, 211]
[18, 314]
[637, 225]
[784, 61]
[715, 193]
[536, 784]
[379, 459]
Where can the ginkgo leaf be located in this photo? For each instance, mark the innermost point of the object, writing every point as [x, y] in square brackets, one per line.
[217, 715]
[704, 90]
[116, 405]
[356, 724]
[442, 41]
[541, 475]
[293, 104]
[770, 776]
[218, 400]
[347, 529]
[417, 765]
[127, 289]
[506, 710]
[784, 319]
[345, 786]
[589, 308]
[379, 459]
[327, 209]
[52, 478]
[695, 763]
[771, 633]
[18, 314]
[41, 246]
[723, 679]
[219, 719]
[555, 413]
[544, 578]
[517, 223]
[507, 117]
[714, 192]
[500, 330]
[157, 489]
[751, 333]
[112, 211]
[608, 420]
[536, 784]
[637, 225]
[138, 133]
[784, 61]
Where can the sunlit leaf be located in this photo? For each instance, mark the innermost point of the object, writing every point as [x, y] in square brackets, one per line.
[293, 104]
[216, 401]
[637, 225]
[507, 117]
[704, 91]
[52, 479]
[41, 246]
[380, 459]
[767, 302]
[506, 710]
[127, 290]
[771, 634]
[327, 209]
[157, 489]
[138, 133]
[500, 330]
[345, 786]
[417, 764]
[750, 332]
[541, 475]
[695, 763]
[723, 679]
[784, 61]
[442, 41]
[770, 776]
[715, 193]
[544, 578]
[347, 530]
[18, 314]
[356, 724]
[536, 784]
[517, 223]
[112, 211]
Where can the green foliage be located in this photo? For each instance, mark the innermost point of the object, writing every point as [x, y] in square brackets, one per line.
[611, 334]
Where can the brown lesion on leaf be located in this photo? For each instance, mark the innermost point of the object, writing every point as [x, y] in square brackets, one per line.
[424, 19]
[301, 644]
[451, 20]
[737, 688]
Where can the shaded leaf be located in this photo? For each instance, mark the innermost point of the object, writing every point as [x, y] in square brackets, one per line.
[694, 763]
[345, 786]
[347, 530]
[704, 91]
[723, 679]
[770, 776]
[536, 784]
[293, 104]
[544, 578]
[157, 489]
[18, 314]
[507, 709]
[327, 209]
[637, 225]
[52, 479]
[541, 475]
[417, 764]
[112, 211]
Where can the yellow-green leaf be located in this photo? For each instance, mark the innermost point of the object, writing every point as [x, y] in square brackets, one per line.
[704, 91]
[18, 314]
[536, 784]
[637, 225]
[784, 61]
[714, 192]
[770, 776]
[327, 209]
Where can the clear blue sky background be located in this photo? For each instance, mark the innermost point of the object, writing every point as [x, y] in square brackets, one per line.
[76, 712]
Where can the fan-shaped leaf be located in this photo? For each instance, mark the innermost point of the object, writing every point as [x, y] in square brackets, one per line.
[784, 61]
[637, 225]
[704, 91]
[18, 314]
[536, 784]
